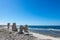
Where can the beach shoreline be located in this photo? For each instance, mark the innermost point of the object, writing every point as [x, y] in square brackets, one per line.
[35, 36]
[44, 37]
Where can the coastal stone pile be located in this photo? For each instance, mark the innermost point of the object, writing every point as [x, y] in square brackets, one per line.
[14, 28]
[22, 28]
[26, 28]
[8, 25]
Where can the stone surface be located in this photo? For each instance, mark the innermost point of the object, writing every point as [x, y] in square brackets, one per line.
[14, 28]
[8, 25]
[21, 29]
[26, 28]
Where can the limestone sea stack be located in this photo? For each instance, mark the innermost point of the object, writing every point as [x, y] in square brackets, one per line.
[26, 28]
[21, 29]
[14, 28]
[8, 25]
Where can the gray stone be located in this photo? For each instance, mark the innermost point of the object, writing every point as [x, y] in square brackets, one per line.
[14, 28]
[26, 28]
[8, 25]
[21, 29]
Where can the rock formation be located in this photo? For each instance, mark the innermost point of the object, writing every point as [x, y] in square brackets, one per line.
[26, 28]
[21, 29]
[8, 25]
[14, 28]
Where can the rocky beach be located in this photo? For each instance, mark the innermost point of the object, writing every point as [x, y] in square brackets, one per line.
[8, 34]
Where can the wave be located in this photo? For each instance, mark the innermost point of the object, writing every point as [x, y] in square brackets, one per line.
[44, 29]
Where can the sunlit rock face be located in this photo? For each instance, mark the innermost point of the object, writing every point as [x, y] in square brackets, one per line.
[8, 25]
[21, 29]
[14, 28]
[26, 28]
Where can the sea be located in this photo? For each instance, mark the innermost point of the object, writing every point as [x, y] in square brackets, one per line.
[53, 31]
[46, 30]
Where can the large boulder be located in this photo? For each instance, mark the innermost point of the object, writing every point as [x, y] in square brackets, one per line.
[8, 25]
[14, 28]
[26, 28]
[21, 29]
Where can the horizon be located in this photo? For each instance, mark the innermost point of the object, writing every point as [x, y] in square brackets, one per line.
[33, 25]
[30, 12]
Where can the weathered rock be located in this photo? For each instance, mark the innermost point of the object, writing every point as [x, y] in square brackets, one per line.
[8, 25]
[21, 29]
[14, 28]
[26, 28]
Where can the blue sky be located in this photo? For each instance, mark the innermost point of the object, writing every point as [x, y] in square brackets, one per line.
[31, 12]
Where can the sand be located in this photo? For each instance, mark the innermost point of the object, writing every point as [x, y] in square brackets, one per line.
[8, 34]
